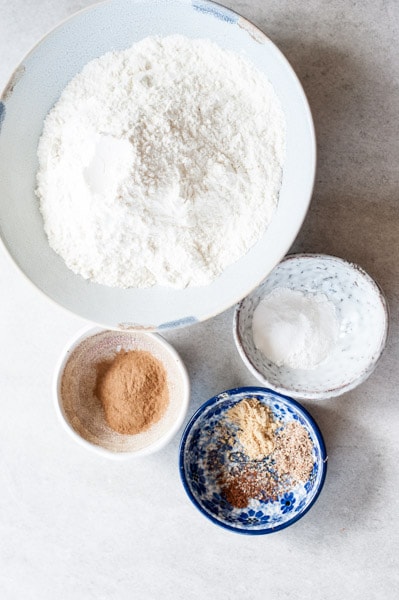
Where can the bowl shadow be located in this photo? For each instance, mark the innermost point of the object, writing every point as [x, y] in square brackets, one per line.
[355, 461]
[354, 212]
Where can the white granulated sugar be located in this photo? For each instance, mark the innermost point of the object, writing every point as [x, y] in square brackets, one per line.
[295, 329]
[161, 164]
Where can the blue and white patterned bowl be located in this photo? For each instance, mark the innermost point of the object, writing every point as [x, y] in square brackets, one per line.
[199, 478]
[362, 313]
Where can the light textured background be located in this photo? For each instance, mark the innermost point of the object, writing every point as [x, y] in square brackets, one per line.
[74, 526]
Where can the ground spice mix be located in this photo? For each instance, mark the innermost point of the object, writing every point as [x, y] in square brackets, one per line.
[273, 459]
[133, 391]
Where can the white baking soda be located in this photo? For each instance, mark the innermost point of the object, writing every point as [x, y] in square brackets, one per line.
[161, 164]
[295, 329]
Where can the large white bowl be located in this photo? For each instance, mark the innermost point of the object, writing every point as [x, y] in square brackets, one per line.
[34, 88]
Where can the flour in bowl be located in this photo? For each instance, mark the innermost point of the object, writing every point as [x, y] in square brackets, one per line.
[161, 164]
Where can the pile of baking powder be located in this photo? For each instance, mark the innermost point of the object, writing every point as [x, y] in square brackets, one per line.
[295, 329]
[160, 164]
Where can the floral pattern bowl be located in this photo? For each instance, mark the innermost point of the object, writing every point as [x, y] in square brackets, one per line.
[201, 443]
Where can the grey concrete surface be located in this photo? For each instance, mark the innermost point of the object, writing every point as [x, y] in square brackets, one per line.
[74, 526]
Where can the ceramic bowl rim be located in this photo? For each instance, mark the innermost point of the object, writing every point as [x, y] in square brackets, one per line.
[260, 391]
[85, 333]
[339, 390]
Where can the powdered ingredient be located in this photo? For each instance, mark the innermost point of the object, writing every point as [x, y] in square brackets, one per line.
[295, 329]
[256, 427]
[251, 481]
[279, 456]
[293, 453]
[161, 164]
[133, 391]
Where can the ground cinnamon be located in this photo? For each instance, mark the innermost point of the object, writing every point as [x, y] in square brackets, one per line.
[133, 391]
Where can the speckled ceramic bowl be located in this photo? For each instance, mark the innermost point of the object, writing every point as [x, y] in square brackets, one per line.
[362, 314]
[80, 411]
[35, 86]
[200, 442]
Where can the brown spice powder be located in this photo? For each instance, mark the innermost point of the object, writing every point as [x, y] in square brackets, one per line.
[133, 391]
[250, 481]
[294, 452]
[288, 454]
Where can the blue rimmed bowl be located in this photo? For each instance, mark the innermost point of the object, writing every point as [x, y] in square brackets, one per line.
[200, 478]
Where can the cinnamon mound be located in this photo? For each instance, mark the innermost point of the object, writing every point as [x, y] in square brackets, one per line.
[133, 391]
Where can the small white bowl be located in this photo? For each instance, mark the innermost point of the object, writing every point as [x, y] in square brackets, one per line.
[81, 413]
[362, 314]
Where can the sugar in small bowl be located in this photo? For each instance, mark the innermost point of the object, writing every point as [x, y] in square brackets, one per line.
[90, 412]
[315, 328]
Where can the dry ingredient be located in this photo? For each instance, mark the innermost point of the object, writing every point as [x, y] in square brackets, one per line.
[133, 391]
[287, 459]
[161, 164]
[251, 481]
[293, 453]
[256, 427]
[295, 329]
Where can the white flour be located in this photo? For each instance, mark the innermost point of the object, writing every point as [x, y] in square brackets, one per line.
[160, 164]
[295, 329]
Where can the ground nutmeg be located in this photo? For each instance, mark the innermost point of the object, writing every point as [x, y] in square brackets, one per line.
[133, 391]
